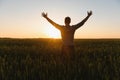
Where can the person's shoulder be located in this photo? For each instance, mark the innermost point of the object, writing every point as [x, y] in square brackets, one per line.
[62, 26]
[73, 26]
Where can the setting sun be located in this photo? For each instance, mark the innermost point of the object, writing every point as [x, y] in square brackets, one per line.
[52, 32]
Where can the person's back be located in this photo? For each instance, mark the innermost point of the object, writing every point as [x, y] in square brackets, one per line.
[67, 32]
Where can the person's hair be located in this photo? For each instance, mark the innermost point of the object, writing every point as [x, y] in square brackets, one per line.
[67, 20]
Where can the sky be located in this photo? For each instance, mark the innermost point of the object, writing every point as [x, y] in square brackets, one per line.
[22, 18]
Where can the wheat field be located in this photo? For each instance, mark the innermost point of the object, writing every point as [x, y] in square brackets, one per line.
[41, 59]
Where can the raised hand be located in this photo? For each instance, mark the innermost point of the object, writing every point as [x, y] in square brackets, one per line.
[89, 13]
[44, 15]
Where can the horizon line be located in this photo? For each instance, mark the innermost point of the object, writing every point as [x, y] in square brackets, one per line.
[51, 38]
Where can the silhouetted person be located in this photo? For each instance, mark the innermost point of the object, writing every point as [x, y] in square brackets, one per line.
[67, 32]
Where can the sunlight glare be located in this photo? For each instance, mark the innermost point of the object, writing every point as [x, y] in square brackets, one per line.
[52, 32]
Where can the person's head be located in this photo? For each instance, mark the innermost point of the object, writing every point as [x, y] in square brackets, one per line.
[67, 20]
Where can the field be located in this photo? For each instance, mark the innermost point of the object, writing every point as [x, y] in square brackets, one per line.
[40, 59]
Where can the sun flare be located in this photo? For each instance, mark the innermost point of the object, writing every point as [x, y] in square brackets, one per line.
[52, 32]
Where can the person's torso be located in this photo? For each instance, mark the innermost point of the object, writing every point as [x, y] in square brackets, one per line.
[67, 34]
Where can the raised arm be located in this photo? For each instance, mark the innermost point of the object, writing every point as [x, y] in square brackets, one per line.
[83, 21]
[50, 21]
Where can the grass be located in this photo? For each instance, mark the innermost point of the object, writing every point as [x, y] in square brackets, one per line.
[40, 59]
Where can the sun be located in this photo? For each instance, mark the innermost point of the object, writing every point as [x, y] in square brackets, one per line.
[52, 32]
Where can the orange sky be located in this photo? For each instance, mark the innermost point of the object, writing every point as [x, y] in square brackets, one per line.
[22, 19]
